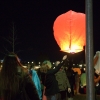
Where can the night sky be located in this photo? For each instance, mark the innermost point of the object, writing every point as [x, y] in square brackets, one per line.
[33, 22]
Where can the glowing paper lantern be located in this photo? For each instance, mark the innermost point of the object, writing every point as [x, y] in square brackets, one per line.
[70, 32]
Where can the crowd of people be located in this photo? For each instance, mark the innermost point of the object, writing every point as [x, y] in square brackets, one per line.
[54, 82]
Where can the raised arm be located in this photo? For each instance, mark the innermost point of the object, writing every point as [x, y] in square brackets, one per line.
[58, 66]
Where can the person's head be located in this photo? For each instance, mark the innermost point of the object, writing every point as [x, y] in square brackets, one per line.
[46, 65]
[11, 62]
[9, 79]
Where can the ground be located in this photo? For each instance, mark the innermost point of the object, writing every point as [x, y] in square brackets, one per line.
[83, 97]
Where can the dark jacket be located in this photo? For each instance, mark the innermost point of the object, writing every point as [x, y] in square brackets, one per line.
[51, 82]
[28, 88]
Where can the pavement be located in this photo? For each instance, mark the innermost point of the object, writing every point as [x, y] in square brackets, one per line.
[78, 97]
[83, 97]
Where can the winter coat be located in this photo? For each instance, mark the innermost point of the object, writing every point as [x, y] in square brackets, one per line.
[51, 83]
[27, 89]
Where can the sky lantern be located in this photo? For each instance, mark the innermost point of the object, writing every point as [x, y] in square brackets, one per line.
[70, 31]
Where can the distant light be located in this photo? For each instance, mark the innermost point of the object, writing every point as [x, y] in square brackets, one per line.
[32, 62]
[25, 66]
[53, 67]
[39, 62]
[80, 65]
[28, 62]
[73, 64]
[84, 69]
[53, 63]
[36, 67]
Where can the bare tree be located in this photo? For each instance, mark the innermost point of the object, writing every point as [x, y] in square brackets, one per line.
[11, 41]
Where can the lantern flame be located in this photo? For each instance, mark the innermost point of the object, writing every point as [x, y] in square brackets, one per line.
[70, 32]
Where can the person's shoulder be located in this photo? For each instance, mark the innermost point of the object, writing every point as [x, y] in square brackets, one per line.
[26, 78]
[23, 74]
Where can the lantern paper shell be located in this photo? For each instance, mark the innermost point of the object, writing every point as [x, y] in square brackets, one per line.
[70, 31]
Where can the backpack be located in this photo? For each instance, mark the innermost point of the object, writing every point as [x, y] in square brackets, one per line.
[62, 80]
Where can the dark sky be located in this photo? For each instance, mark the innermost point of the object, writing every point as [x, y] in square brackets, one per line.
[33, 20]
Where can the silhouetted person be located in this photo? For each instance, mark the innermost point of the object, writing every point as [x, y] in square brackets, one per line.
[71, 77]
[63, 83]
[15, 83]
[50, 83]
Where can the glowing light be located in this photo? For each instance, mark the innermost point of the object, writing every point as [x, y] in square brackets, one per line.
[70, 32]
[39, 62]
[25, 66]
[53, 63]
